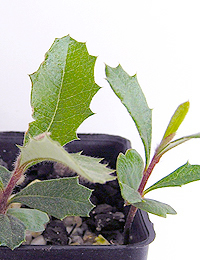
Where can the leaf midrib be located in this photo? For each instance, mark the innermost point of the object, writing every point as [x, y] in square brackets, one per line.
[59, 94]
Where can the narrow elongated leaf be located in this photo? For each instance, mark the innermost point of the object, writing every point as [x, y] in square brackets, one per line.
[62, 90]
[129, 171]
[155, 207]
[177, 142]
[5, 175]
[177, 119]
[181, 176]
[175, 122]
[129, 92]
[59, 197]
[12, 231]
[46, 149]
[33, 219]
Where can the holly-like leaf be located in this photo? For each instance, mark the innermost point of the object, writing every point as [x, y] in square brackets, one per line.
[155, 207]
[12, 231]
[62, 90]
[175, 122]
[59, 197]
[129, 92]
[5, 175]
[46, 149]
[181, 176]
[130, 171]
[33, 219]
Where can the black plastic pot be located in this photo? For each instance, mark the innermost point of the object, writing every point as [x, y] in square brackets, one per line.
[97, 145]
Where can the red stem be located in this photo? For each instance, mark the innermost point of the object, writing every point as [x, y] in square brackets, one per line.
[5, 194]
[133, 210]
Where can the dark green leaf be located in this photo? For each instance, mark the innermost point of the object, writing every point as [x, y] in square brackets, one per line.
[129, 171]
[59, 197]
[33, 219]
[155, 207]
[183, 175]
[62, 90]
[12, 231]
[129, 92]
[46, 149]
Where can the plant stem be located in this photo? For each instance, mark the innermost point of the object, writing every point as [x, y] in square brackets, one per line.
[5, 194]
[133, 210]
[129, 220]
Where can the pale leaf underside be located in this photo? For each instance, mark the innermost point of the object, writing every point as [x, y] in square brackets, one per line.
[46, 149]
[12, 231]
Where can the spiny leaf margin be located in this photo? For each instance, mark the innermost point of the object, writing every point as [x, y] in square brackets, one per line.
[62, 90]
[46, 149]
[132, 97]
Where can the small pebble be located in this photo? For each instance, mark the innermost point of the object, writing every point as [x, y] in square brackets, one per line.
[102, 208]
[77, 239]
[36, 234]
[39, 241]
[71, 221]
[89, 238]
[28, 238]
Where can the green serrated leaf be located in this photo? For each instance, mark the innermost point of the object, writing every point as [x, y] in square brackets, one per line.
[33, 219]
[129, 92]
[129, 172]
[46, 149]
[59, 197]
[12, 231]
[62, 90]
[155, 207]
[181, 176]
[5, 175]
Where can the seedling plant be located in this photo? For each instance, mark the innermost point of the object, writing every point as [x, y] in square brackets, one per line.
[62, 90]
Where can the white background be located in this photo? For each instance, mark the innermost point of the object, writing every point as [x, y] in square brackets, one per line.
[158, 40]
